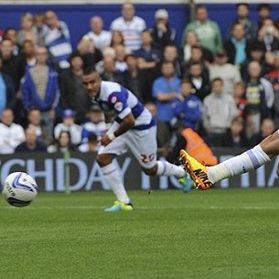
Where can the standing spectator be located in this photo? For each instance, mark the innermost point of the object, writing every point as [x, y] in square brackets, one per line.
[218, 112]
[189, 108]
[207, 30]
[161, 33]
[62, 144]
[69, 125]
[7, 91]
[57, 40]
[264, 12]
[199, 80]
[130, 25]
[227, 72]
[100, 37]
[34, 119]
[165, 91]
[28, 31]
[31, 143]
[40, 87]
[237, 46]
[10, 63]
[259, 95]
[11, 134]
[96, 124]
[72, 93]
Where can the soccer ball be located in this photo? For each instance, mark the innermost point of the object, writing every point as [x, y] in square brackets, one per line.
[20, 189]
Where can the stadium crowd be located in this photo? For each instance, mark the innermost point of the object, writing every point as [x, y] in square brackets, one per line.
[225, 89]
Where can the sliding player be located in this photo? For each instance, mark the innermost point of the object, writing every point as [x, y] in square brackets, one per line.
[133, 127]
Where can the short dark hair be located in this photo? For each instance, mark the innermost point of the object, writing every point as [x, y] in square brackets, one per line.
[89, 70]
[242, 4]
[200, 7]
[186, 80]
[217, 79]
[263, 6]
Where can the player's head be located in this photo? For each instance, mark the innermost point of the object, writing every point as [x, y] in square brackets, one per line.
[91, 82]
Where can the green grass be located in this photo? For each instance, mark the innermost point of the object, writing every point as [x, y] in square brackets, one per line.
[211, 234]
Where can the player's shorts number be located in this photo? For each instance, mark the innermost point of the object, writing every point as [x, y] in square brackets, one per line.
[147, 158]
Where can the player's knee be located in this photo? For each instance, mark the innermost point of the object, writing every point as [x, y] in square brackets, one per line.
[151, 171]
[104, 159]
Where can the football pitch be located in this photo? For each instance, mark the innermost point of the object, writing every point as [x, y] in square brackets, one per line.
[211, 234]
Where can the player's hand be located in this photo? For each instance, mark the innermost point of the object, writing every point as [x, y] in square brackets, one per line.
[105, 140]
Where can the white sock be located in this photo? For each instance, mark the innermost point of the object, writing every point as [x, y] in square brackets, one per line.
[168, 169]
[113, 179]
[251, 159]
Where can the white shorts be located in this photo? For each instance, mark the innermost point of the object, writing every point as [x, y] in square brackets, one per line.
[143, 145]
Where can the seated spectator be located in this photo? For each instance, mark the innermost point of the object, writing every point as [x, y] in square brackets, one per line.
[62, 144]
[189, 108]
[130, 25]
[117, 38]
[39, 21]
[269, 35]
[165, 91]
[98, 36]
[69, 125]
[218, 112]
[31, 143]
[35, 122]
[207, 30]
[273, 77]
[227, 72]
[28, 30]
[120, 59]
[57, 40]
[239, 90]
[11, 34]
[250, 27]
[133, 79]
[89, 53]
[267, 128]
[110, 73]
[235, 136]
[171, 55]
[264, 12]
[28, 55]
[237, 46]
[161, 33]
[40, 87]
[72, 93]
[199, 80]
[7, 91]
[259, 95]
[11, 134]
[96, 124]
[91, 145]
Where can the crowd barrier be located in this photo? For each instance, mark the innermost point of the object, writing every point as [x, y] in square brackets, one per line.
[80, 172]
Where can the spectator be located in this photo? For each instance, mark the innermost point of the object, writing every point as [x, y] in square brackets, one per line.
[117, 38]
[227, 72]
[165, 91]
[130, 25]
[98, 36]
[243, 18]
[120, 59]
[269, 35]
[28, 31]
[171, 55]
[11, 134]
[267, 128]
[91, 145]
[10, 63]
[218, 112]
[134, 79]
[110, 73]
[89, 53]
[207, 30]
[72, 92]
[7, 91]
[62, 144]
[259, 95]
[199, 80]
[237, 46]
[57, 40]
[161, 33]
[31, 143]
[96, 124]
[35, 122]
[235, 136]
[28, 55]
[189, 108]
[40, 87]
[69, 125]
[39, 20]
[239, 97]
[11, 34]
[273, 77]
[264, 12]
